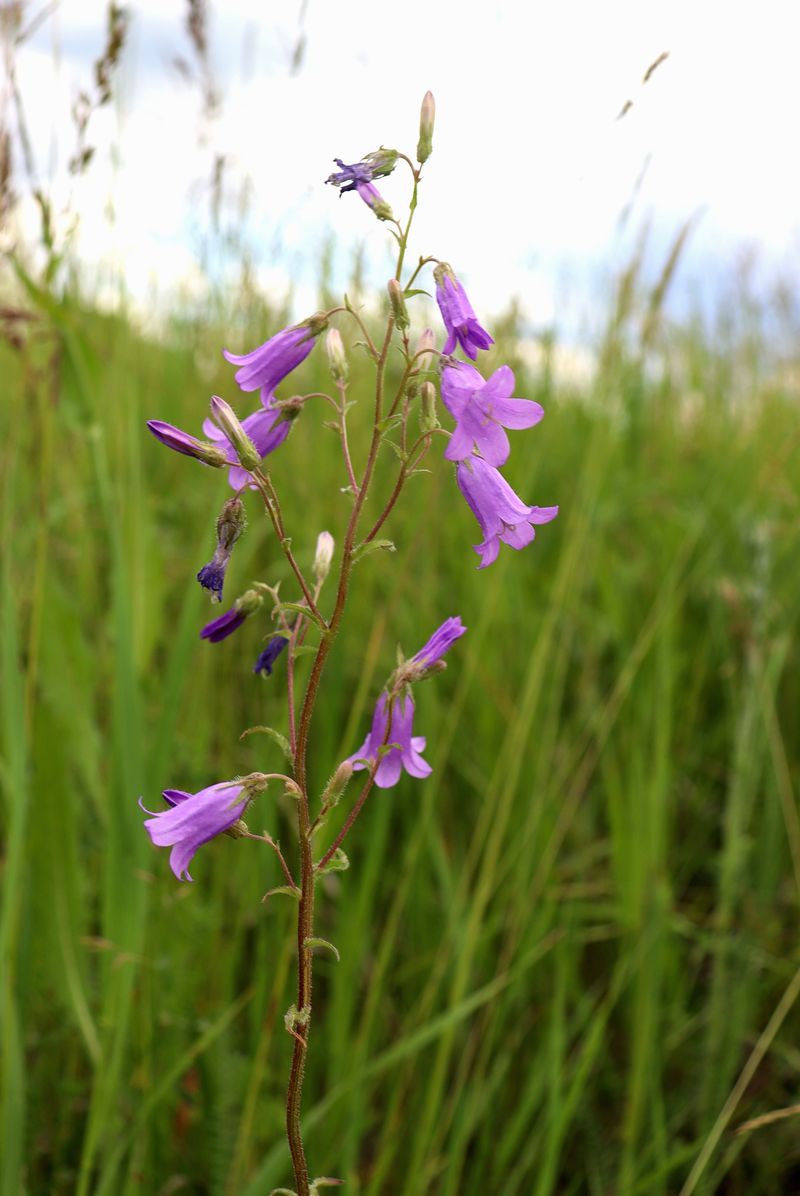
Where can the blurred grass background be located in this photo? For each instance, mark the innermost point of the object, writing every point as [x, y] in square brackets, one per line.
[560, 952]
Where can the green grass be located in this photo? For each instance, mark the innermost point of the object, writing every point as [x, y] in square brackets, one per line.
[557, 954]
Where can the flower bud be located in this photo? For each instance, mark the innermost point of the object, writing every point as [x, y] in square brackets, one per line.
[428, 418]
[397, 300]
[334, 346]
[427, 116]
[337, 784]
[323, 556]
[189, 446]
[424, 351]
[225, 419]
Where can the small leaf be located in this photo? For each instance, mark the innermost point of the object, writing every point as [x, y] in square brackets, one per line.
[401, 456]
[416, 291]
[304, 610]
[283, 1192]
[310, 943]
[364, 549]
[325, 1181]
[304, 650]
[287, 889]
[281, 740]
[337, 863]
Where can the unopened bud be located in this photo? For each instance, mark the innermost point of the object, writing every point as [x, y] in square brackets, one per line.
[397, 300]
[423, 356]
[337, 360]
[323, 556]
[427, 116]
[188, 446]
[428, 418]
[225, 418]
[238, 830]
[337, 784]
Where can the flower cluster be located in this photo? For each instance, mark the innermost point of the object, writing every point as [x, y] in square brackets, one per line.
[483, 409]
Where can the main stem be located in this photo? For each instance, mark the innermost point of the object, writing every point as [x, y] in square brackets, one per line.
[305, 915]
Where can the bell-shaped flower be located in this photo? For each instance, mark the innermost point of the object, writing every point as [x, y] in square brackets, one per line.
[267, 428]
[394, 729]
[501, 513]
[440, 642]
[266, 366]
[483, 408]
[459, 318]
[231, 620]
[194, 819]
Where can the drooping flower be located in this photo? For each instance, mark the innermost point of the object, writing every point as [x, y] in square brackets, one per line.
[359, 174]
[394, 729]
[194, 819]
[230, 525]
[231, 620]
[459, 318]
[483, 408]
[501, 513]
[266, 366]
[270, 654]
[189, 446]
[267, 428]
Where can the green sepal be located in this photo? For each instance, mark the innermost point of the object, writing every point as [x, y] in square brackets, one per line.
[309, 943]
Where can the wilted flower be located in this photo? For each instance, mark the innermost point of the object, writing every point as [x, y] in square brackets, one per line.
[459, 318]
[266, 428]
[193, 819]
[373, 166]
[394, 729]
[230, 525]
[189, 446]
[500, 512]
[270, 654]
[225, 624]
[269, 364]
[482, 408]
[373, 199]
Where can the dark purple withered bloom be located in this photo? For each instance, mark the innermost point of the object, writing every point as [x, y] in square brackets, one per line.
[266, 366]
[483, 408]
[373, 199]
[189, 446]
[267, 428]
[405, 756]
[223, 626]
[230, 526]
[500, 512]
[270, 654]
[194, 819]
[440, 642]
[459, 318]
[360, 174]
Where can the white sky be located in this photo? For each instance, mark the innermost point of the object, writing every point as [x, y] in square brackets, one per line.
[530, 168]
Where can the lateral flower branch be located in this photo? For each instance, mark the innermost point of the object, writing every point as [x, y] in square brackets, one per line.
[434, 382]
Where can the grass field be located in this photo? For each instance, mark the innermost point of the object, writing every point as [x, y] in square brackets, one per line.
[569, 960]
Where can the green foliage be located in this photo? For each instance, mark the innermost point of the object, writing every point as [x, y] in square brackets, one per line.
[558, 953]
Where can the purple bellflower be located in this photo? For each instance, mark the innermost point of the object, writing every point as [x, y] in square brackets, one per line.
[459, 318]
[223, 626]
[266, 366]
[267, 428]
[194, 819]
[270, 654]
[482, 410]
[394, 729]
[500, 512]
[189, 446]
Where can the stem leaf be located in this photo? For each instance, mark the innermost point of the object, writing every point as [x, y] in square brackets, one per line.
[281, 740]
[308, 944]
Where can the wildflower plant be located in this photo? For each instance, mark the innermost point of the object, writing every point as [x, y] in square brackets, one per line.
[309, 618]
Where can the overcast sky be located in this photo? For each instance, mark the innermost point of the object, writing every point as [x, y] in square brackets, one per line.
[531, 164]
